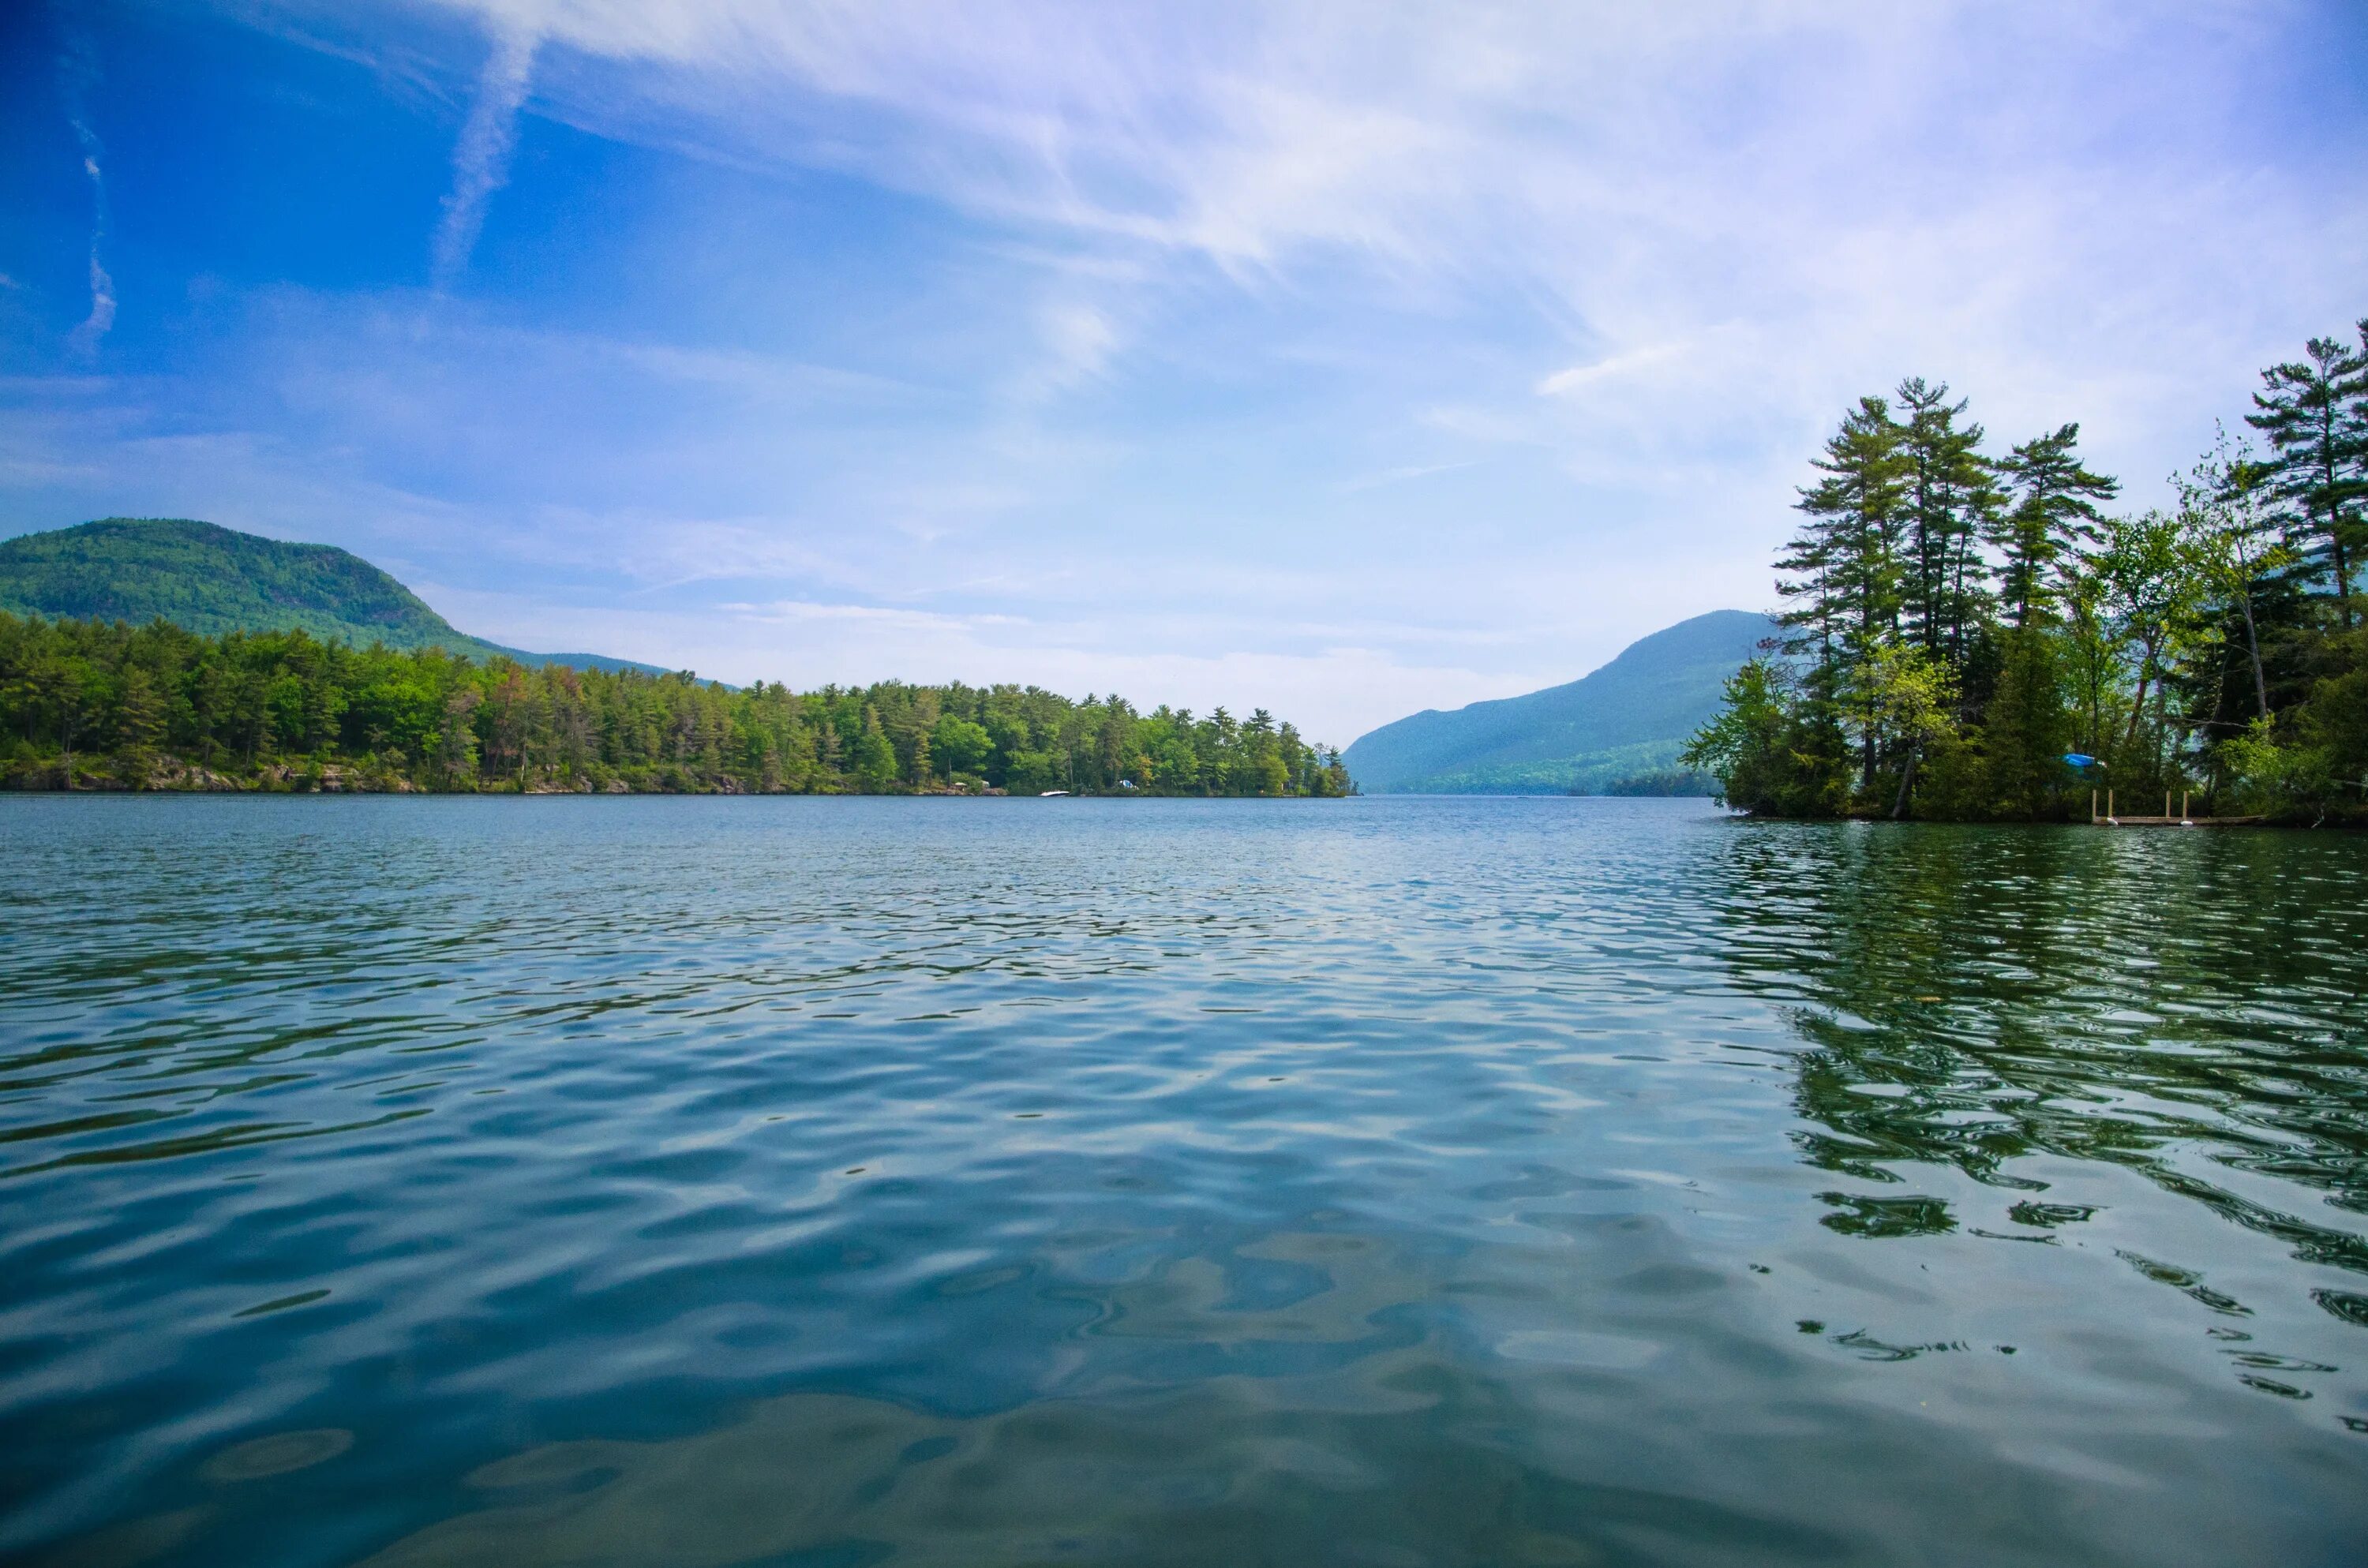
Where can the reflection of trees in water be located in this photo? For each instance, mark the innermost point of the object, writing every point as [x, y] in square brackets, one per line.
[1973, 997]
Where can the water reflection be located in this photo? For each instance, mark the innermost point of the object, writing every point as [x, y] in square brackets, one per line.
[2189, 1007]
[1441, 1182]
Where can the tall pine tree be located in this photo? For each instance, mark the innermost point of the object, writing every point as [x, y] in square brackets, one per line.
[1951, 494]
[2054, 513]
[1846, 565]
[2315, 412]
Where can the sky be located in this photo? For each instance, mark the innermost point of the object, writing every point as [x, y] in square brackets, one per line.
[1343, 360]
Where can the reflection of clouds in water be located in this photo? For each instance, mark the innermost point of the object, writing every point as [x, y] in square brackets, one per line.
[1306, 1396]
[1232, 1469]
[1514, 1263]
[1275, 1456]
[277, 1454]
[1197, 1299]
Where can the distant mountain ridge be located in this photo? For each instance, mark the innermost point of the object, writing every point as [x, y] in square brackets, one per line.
[212, 580]
[1627, 719]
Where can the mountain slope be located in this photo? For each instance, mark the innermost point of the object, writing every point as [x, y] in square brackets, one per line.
[1631, 717]
[212, 579]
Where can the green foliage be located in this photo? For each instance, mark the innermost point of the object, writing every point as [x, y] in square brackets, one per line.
[89, 702]
[958, 745]
[1959, 623]
[1774, 748]
[2267, 776]
[1665, 783]
[2315, 412]
[2054, 513]
[2025, 730]
[875, 760]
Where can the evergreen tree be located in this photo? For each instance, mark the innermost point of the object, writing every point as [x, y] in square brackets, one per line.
[2217, 645]
[2023, 730]
[138, 720]
[1845, 565]
[1774, 750]
[874, 758]
[1951, 497]
[2054, 513]
[2315, 412]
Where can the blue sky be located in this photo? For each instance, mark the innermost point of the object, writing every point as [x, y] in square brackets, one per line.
[1345, 359]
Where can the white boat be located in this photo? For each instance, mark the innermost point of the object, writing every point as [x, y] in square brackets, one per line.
[1050, 793]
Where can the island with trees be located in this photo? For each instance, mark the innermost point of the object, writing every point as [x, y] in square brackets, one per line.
[1976, 636]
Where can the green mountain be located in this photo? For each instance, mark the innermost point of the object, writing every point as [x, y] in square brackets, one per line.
[1626, 722]
[212, 580]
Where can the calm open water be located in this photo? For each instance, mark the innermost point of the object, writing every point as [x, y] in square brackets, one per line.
[838, 1182]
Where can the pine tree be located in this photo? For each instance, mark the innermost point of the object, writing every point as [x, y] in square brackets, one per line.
[2054, 512]
[1846, 563]
[139, 720]
[875, 759]
[1950, 494]
[2315, 412]
[2023, 733]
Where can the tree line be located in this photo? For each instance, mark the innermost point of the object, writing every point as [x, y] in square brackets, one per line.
[1971, 635]
[101, 704]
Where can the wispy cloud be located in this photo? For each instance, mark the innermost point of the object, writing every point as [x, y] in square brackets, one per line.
[1075, 344]
[1400, 475]
[481, 161]
[1853, 182]
[78, 72]
[1609, 367]
[1476, 335]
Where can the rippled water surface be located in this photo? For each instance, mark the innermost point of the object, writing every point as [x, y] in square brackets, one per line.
[838, 1182]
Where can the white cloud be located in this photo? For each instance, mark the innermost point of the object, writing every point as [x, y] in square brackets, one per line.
[77, 71]
[1335, 693]
[1877, 189]
[1406, 471]
[1420, 351]
[1078, 341]
[481, 161]
[1612, 368]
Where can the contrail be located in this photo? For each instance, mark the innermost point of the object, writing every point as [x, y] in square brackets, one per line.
[77, 69]
[480, 161]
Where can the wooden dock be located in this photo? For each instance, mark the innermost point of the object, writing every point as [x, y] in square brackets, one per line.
[2182, 820]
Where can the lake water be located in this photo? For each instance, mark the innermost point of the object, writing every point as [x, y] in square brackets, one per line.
[839, 1182]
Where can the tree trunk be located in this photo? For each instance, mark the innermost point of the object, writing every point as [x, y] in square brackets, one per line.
[2253, 646]
[2137, 709]
[2335, 515]
[1906, 778]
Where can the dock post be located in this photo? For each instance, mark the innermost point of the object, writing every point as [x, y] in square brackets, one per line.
[2183, 805]
[2092, 808]
[2166, 804]
[2109, 805]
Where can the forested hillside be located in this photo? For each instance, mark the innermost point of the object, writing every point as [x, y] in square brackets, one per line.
[212, 580]
[102, 704]
[1979, 635]
[1616, 729]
